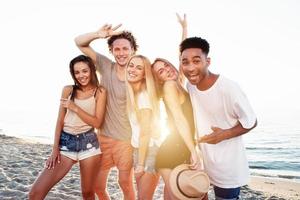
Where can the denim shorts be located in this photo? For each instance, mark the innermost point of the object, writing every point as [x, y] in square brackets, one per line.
[149, 160]
[79, 146]
[227, 193]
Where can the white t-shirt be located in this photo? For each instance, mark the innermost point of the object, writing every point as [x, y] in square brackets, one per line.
[142, 103]
[223, 105]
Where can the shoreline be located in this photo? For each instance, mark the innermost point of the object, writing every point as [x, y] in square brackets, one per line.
[22, 159]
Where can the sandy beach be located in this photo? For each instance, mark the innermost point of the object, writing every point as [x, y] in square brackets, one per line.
[22, 160]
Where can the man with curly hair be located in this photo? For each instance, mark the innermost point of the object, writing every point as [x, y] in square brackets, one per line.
[115, 133]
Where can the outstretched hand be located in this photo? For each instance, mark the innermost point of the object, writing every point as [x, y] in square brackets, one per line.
[182, 21]
[213, 138]
[107, 31]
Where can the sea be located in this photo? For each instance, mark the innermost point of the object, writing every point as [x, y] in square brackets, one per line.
[274, 151]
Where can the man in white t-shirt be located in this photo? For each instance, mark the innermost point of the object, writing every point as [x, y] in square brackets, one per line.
[222, 115]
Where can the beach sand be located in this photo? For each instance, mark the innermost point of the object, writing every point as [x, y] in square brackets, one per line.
[22, 160]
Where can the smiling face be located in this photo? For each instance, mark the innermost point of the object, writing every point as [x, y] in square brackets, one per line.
[82, 73]
[122, 51]
[194, 65]
[164, 71]
[135, 70]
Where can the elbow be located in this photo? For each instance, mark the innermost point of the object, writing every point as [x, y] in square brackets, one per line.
[76, 40]
[97, 126]
[254, 125]
[98, 123]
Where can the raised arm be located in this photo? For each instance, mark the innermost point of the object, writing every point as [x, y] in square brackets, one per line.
[96, 120]
[171, 98]
[183, 23]
[83, 41]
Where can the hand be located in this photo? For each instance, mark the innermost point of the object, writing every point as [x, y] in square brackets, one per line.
[213, 138]
[182, 21]
[53, 159]
[107, 31]
[69, 104]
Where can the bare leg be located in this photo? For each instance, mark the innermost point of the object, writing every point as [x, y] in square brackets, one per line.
[100, 184]
[49, 177]
[165, 173]
[88, 171]
[146, 185]
[126, 184]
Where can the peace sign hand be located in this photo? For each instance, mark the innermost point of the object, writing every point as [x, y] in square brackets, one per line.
[107, 31]
[182, 21]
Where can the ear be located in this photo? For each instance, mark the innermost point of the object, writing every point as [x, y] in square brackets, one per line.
[208, 61]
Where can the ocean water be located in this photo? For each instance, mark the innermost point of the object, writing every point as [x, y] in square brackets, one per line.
[274, 151]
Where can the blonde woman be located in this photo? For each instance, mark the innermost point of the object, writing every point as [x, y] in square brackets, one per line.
[180, 121]
[143, 112]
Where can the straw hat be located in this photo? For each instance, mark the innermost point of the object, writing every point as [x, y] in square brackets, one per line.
[187, 184]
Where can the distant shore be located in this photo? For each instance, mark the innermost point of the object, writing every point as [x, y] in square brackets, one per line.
[22, 160]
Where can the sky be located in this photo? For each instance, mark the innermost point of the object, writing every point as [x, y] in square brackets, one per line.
[256, 43]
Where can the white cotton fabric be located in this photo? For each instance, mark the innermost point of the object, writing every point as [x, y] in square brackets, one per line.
[223, 105]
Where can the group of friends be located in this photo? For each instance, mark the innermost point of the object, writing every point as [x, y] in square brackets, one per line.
[115, 122]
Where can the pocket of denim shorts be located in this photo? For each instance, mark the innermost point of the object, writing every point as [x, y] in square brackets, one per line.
[64, 142]
[92, 141]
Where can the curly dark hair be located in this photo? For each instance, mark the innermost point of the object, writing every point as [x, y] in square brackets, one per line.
[124, 35]
[195, 42]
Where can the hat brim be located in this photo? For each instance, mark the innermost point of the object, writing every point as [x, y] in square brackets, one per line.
[173, 183]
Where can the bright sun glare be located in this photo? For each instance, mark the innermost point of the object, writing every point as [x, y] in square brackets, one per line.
[163, 122]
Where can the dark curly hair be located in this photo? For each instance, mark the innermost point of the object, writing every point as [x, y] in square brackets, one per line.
[194, 42]
[124, 35]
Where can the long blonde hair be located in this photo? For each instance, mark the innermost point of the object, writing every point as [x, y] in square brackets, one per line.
[150, 89]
